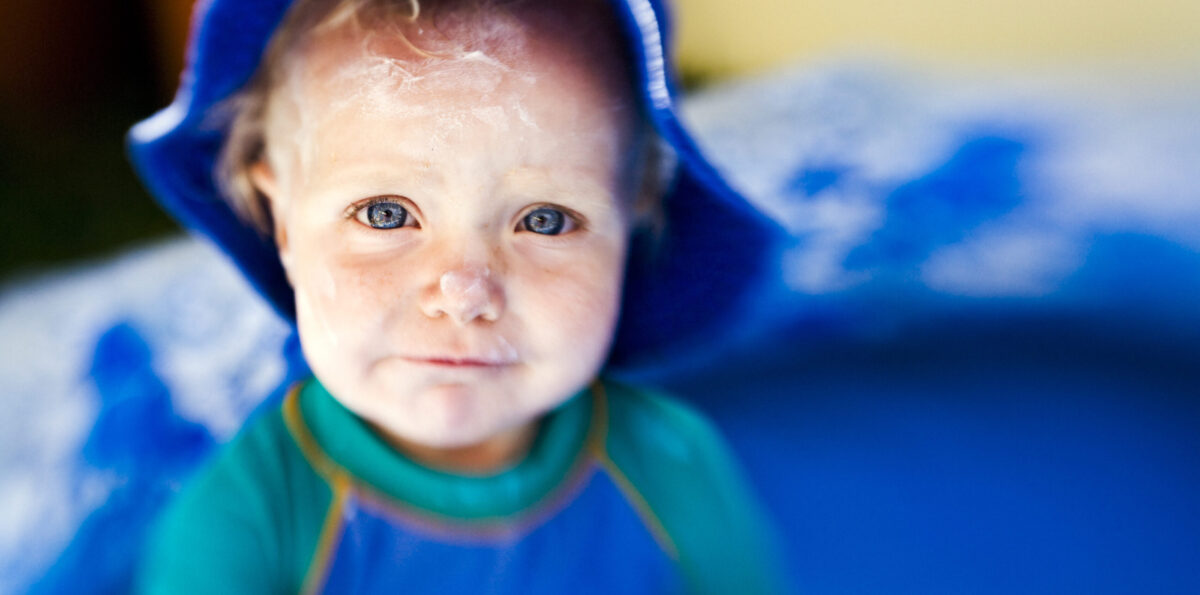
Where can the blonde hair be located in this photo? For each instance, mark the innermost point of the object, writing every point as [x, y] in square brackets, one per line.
[246, 111]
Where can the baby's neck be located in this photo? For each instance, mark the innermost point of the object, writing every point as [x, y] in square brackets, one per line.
[491, 456]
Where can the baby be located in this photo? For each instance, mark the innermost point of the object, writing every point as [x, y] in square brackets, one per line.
[452, 200]
[452, 188]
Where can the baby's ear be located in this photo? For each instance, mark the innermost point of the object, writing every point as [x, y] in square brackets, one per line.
[656, 171]
[265, 182]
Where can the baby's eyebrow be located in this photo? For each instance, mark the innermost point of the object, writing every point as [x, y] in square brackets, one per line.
[557, 184]
[391, 174]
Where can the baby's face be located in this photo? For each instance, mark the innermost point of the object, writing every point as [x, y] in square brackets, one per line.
[456, 240]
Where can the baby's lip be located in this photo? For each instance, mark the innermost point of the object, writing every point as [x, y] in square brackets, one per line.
[481, 354]
[460, 361]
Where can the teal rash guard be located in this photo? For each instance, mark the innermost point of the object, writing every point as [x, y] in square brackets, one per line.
[623, 491]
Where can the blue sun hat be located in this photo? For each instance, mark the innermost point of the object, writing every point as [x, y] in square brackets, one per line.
[685, 289]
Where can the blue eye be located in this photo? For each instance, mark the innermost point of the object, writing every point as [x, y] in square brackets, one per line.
[384, 215]
[545, 220]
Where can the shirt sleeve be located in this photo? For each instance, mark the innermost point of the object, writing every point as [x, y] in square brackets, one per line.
[689, 477]
[228, 530]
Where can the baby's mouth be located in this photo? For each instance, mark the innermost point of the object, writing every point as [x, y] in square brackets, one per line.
[461, 362]
[494, 353]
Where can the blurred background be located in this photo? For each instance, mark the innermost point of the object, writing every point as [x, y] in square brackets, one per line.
[75, 75]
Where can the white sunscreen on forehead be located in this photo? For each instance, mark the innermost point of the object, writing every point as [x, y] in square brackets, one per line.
[373, 71]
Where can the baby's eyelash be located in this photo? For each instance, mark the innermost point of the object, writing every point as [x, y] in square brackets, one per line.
[578, 220]
[399, 214]
[354, 208]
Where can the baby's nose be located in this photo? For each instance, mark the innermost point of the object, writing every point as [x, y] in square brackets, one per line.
[465, 294]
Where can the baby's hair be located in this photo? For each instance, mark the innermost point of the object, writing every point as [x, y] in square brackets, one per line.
[247, 111]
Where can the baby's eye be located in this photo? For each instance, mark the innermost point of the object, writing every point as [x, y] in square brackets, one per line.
[383, 214]
[547, 221]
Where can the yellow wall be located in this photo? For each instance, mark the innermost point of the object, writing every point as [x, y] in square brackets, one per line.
[720, 37]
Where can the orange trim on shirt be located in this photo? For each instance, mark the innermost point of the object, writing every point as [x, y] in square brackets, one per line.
[339, 483]
[447, 526]
[599, 451]
[331, 536]
[294, 421]
[576, 478]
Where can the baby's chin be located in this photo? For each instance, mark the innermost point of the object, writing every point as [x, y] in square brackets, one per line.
[449, 415]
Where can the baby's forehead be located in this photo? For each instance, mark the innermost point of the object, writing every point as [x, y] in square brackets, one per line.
[407, 53]
[414, 70]
[468, 49]
[384, 67]
[424, 83]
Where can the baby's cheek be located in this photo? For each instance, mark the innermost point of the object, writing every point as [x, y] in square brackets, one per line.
[352, 280]
[342, 295]
[578, 302]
